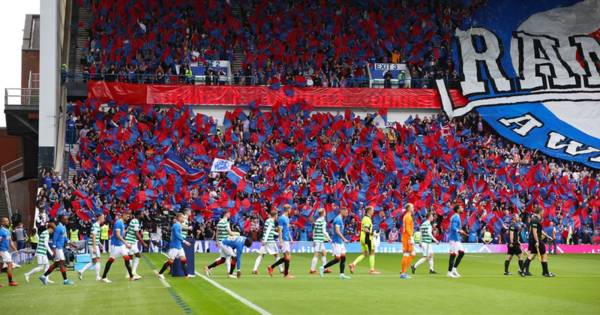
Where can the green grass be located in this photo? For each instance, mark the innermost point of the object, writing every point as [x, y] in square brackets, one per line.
[482, 290]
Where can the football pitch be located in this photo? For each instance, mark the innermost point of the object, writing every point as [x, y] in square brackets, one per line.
[483, 289]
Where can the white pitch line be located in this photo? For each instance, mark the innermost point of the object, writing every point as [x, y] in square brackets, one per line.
[163, 281]
[236, 296]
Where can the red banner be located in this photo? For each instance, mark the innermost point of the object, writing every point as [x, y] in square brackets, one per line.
[151, 94]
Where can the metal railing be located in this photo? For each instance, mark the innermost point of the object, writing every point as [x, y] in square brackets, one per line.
[22, 96]
[10, 170]
[248, 81]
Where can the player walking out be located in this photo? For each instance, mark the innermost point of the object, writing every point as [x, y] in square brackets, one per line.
[456, 249]
[132, 236]
[94, 248]
[337, 247]
[268, 246]
[6, 244]
[366, 242]
[320, 236]
[42, 251]
[284, 242]
[408, 242]
[118, 248]
[426, 244]
[225, 252]
[59, 240]
[536, 244]
[514, 245]
[176, 247]
[237, 244]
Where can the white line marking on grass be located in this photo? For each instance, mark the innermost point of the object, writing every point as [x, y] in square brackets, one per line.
[163, 281]
[235, 295]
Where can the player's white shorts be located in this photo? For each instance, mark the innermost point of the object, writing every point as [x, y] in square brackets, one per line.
[97, 251]
[286, 248]
[174, 253]
[59, 254]
[118, 251]
[318, 247]
[268, 248]
[427, 249]
[338, 249]
[42, 259]
[134, 249]
[225, 251]
[5, 257]
[455, 247]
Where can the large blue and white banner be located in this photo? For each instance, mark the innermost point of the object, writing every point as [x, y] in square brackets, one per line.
[532, 71]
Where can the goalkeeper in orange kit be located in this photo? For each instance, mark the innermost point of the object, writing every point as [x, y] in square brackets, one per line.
[408, 243]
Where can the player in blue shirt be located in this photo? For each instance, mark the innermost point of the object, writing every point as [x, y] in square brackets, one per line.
[454, 236]
[118, 247]
[337, 247]
[59, 241]
[284, 243]
[237, 244]
[6, 244]
[176, 247]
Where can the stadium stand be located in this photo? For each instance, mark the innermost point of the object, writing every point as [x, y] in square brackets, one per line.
[159, 158]
[322, 43]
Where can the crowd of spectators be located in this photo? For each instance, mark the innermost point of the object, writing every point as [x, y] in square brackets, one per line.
[312, 160]
[323, 43]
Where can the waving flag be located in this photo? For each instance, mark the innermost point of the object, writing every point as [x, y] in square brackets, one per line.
[220, 165]
[238, 177]
[179, 166]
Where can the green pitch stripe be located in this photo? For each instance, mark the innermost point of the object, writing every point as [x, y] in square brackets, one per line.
[178, 300]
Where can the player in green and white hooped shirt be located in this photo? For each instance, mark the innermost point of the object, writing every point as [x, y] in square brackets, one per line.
[132, 236]
[320, 236]
[268, 242]
[427, 241]
[93, 245]
[225, 252]
[41, 252]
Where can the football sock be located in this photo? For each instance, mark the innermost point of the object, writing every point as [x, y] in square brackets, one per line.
[184, 267]
[458, 258]
[420, 261]
[257, 262]
[128, 266]
[506, 265]
[323, 260]
[286, 269]
[164, 267]
[34, 270]
[49, 271]
[97, 267]
[313, 263]
[372, 262]
[451, 262]
[358, 259]
[332, 262]
[342, 264]
[107, 267]
[430, 263]
[63, 271]
[526, 265]
[232, 263]
[520, 264]
[86, 267]
[136, 262]
[216, 263]
[277, 263]
[545, 267]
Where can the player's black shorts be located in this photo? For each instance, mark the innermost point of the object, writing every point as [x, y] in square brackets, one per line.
[534, 250]
[515, 249]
